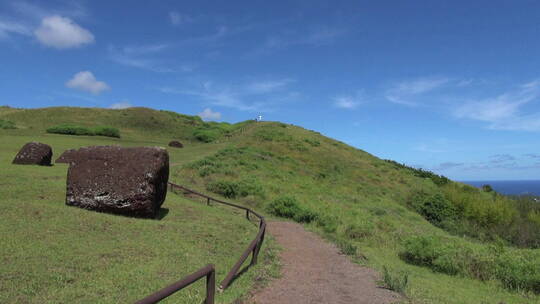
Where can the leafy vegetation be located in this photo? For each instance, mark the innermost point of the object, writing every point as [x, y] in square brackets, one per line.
[288, 207]
[519, 270]
[397, 282]
[78, 130]
[6, 124]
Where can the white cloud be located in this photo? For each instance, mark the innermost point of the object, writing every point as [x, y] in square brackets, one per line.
[121, 105]
[85, 81]
[505, 111]
[406, 92]
[319, 37]
[178, 19]
[208, 114]
[62, 33]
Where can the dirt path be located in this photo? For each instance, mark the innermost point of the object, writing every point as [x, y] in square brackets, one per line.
[315, 272]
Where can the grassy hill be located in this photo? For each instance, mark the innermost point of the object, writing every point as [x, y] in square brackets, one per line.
[52, 253]
[455, 243]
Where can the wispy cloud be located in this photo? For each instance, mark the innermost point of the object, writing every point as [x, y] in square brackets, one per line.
[505, 111]
[448, 165]
[121, 105]
[8, 27]
[258, 96]
[144, 57]
[501, 158]
[407, 92]
[348, 101]
[177, 18]
[208, 114]
[283, 40]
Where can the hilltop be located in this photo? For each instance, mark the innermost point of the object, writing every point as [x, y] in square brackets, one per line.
[456, 244]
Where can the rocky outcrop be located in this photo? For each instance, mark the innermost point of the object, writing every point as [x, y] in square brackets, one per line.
[34, 153]
[176, 144]
[127, 181]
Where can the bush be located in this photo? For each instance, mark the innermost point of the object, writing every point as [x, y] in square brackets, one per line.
[434, 207]
[230, 189]
[397, 282]
[78, 130]
[6, 124]
[288, 207]
[516, 269]
[107, 131]
[226, 188]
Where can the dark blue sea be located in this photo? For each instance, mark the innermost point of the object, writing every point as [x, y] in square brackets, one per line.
[513, 187]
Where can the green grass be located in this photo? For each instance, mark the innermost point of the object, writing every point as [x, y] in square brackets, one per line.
[369, 207]
[359, 202]
[52, 253]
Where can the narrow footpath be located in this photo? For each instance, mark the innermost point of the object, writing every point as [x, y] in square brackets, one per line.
[314, 271]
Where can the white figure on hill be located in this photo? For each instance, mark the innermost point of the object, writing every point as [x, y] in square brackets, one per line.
[259, 118]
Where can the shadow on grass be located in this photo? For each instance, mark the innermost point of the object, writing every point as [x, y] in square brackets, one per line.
[162, 213]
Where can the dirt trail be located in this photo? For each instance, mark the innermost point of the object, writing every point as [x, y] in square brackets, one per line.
[315, 272]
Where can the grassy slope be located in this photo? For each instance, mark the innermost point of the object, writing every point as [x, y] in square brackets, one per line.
[349, 186]
[53, 253]
[352, 188]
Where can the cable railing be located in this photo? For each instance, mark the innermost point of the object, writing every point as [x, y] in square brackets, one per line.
[209, 270]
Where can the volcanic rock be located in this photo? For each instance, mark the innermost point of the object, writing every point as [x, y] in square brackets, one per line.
[67, 157]
[34, 153]
[176, 144]
[112, 179]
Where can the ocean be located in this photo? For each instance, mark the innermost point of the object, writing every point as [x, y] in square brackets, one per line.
[513, 187]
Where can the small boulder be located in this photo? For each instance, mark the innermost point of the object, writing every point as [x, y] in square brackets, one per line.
[34, 153]
[176, 144]
[67, 157]
[112, 179]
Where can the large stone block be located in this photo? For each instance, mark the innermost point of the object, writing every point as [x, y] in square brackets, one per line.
[67, 157]
[34, 153]
[128, 181]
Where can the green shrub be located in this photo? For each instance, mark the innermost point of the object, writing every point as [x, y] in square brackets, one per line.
[70, 130]
[78, 130]
[107, 131]
[230, 189]
[226, 188]
[434, 207]
[397, 282]
[6, 124]
[516, 269]
[287, 206]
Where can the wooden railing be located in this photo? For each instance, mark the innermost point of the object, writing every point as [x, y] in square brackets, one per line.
[209, 270]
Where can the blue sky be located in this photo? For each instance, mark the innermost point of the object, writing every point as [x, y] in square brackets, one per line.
[450, 86]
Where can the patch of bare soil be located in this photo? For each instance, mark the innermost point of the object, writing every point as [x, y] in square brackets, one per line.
[314, 271]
